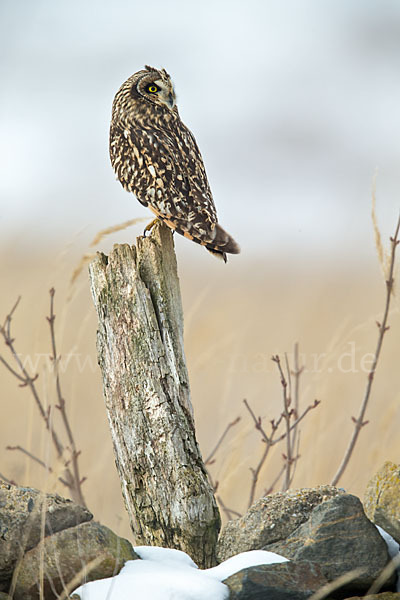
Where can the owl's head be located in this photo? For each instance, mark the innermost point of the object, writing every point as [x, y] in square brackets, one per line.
[147, 88]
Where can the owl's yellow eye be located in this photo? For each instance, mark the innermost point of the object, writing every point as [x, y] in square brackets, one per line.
[152, 88]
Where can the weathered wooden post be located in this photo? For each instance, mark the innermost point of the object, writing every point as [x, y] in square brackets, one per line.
[140, 351]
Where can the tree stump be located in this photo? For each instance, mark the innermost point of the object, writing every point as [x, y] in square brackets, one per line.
[140, 352]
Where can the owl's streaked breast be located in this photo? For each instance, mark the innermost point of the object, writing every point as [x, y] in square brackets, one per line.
[156, 157]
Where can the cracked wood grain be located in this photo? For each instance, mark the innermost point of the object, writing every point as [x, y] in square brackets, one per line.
[146, 388]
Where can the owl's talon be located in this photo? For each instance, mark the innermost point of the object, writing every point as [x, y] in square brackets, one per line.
[149, 227]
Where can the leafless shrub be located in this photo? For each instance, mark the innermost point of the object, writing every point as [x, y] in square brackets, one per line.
[289, 419]
[67, 455]
[383, 327]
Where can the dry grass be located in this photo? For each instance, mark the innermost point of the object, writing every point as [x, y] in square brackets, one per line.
[99, 237]
[233, 327]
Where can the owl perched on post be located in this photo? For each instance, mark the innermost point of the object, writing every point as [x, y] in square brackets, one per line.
[156, 157]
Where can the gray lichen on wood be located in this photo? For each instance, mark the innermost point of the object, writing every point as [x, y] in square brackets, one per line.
[140, 349]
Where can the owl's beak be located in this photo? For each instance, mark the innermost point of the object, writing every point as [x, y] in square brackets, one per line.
[171, 101]
[168, 99]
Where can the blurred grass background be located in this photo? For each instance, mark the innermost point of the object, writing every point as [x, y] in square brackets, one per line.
[236, 318]
[294, 105]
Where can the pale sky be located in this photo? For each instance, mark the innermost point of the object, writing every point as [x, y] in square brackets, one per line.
[294, 105]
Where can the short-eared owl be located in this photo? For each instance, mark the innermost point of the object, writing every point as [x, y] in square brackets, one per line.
[156, 157]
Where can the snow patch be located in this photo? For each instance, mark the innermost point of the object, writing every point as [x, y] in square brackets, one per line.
[253, 558]
[393, 550]
[167, 574]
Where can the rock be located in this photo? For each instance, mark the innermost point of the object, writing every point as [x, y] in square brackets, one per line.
[65, 554]
[339, 537]
[382, 499]
[271, 519]
[21, 514]
[282, 581]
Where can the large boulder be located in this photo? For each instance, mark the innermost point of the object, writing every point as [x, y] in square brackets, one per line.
[271, 519]
[283, 581]
[86, 552]
[324, 526]
[382, 499]
[25, 516]
[339, 537]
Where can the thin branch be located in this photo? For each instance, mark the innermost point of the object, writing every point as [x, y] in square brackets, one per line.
[256, 472]
[36, 459]
[359, 422]
[228, 427]
[271, 488]
[257, 422]
[229, 512]
[27, 380]
[31, 456]
[384, 575]
[326, 590]
[80, 576]
[9, 367]
[209, 461]
[286, 417]
[270, 441]
[72, 480]
[7, 480]
[301, 417]
[288, 377]
[11, 313]
[75, 480]
[297, 371]
[297, 442]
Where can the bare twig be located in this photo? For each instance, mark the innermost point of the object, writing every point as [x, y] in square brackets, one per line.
[297, 421]
[271, 488]
[290, 416]
[6, 479]
[210, 460]
[31, 456]
[100, 235]
[359, 422]
[23, 375]
[295, 434]
[36, 459]
[258, 425]
[384, 575]
[72, 479]
[337, 583]
[297, 371]
[297, 442]
[288, 377]
[75, 481]
[9, 367]
[221, 439]
[80, 577]
[286, 417]
[229, 512]
[270, 441]
[256, 472]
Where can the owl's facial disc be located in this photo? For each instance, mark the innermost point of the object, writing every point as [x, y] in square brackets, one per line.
[166, 93]
[158, 90]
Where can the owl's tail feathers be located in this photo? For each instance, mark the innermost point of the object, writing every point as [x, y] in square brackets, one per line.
[222, 244]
